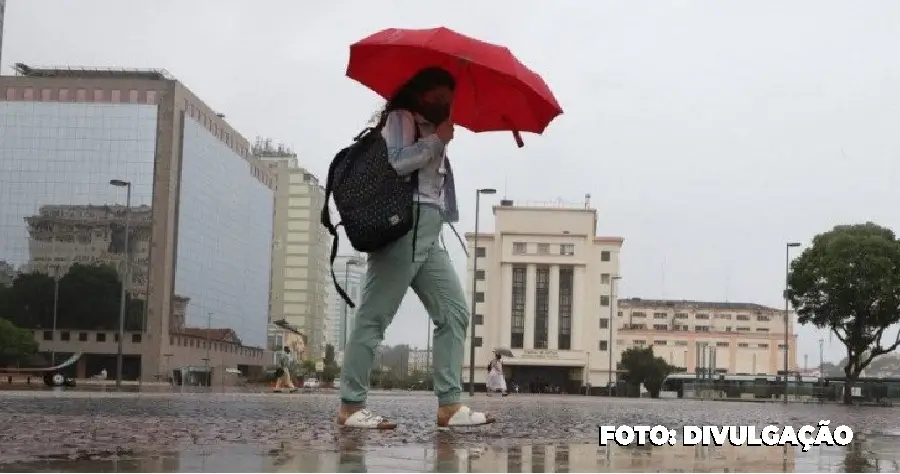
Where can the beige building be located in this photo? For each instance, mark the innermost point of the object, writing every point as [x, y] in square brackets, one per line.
[748, 339]
[543, 281]
[301, 247]
[200, 223]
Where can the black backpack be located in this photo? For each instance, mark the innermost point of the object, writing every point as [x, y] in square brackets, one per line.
[375, 202]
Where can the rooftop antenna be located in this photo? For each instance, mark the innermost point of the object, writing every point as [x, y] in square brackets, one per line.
[587, 200]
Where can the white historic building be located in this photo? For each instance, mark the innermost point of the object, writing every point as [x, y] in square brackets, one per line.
[545, 284]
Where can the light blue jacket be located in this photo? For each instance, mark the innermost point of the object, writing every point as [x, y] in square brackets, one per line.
[427, 155]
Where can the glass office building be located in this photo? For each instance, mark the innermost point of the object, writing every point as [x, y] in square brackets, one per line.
[224, 238]
[199, 225]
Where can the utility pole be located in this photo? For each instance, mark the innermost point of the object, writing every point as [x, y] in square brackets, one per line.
[2, 17]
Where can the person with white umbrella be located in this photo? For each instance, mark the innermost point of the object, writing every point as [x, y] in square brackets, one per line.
[495, 380]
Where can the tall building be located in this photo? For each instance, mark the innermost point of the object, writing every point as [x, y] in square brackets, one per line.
[75, 143]
[301, 247]
[350, 272]
[542, 285]
[747, 338]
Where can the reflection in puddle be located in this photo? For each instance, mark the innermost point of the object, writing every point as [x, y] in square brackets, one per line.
[354, 454]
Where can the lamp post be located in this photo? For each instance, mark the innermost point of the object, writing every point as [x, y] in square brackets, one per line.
[612, 322]
[787, 273]
[119, 359]
[343, 326]
[56, 269]
[478, 193]
[821, 360]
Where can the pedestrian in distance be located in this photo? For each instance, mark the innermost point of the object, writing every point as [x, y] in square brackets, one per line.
[284, 360]
[496, 382]
[412, 134]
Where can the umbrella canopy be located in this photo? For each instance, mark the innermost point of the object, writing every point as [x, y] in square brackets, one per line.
[494, 90]
[503, 351]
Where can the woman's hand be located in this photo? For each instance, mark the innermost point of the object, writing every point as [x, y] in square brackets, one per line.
[444, 131]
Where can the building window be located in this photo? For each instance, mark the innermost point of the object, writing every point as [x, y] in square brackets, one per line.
[603, 346]
[98, 95]
[543, 249]
[639, 342]
[742, 329]
[567, 249]
[763, 346]
[541, 307]
[604, 323]
[638, 315]
[743, 317]
[566, 292]
[80, 95]
[65, 336]
[681, 315]
[479, 275]
[762, 329]
[63, 95]
[151, 97]
[723, 316]
[28, 94]
[517, 334]
[115, 96]
[133, 96]
[478, 319]
[136, 338]
[604, 300]
[722, 344]
[681, 343]
[520, 248]
[762, 317]
[660, 316]
[45, 95]
[48, 335]
[743, 344]
[660, 342]
[477, 342]
[701, 316]
[101, 337]
[10, 93]
[660, 327]
[479, 297]
[701, 328]
[82, 336]
[604, 256]
[480, 252]
[604, 278]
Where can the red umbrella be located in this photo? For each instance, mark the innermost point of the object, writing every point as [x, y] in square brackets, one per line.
[494, 90]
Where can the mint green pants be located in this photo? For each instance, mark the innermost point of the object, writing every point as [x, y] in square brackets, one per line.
[431, 275]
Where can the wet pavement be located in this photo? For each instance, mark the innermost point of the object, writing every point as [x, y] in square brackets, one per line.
[69, 431]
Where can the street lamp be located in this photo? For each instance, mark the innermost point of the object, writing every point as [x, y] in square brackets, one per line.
[347, 264]
[787, 273]
[127, 185]
[478, 193]
[612, 316]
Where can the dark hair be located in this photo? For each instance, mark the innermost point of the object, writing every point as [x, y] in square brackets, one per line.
[287, 349]
[406, 97]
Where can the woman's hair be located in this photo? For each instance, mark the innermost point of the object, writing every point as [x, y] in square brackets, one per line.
[406, 97]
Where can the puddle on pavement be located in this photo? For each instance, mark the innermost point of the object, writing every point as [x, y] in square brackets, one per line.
[865, 454]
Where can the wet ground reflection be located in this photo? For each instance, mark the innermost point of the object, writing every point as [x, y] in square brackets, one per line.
[354, 454]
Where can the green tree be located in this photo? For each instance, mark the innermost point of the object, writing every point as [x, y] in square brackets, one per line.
[848, 281]
[642, 367]
[28, 303]
[16, 344]
[329, 354]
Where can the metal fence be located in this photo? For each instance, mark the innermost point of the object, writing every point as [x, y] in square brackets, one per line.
[886, 393]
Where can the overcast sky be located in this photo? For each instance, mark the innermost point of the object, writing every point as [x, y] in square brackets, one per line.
[709, 133]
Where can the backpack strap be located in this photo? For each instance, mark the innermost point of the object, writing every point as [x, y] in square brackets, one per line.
[332, 229]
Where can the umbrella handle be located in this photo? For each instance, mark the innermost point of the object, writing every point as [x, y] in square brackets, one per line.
[518, 138]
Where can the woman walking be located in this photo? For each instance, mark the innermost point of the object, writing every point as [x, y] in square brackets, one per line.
[496, 382]
[416, 128]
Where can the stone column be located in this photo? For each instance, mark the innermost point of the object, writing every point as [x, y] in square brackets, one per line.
[553, 323]
[579, 306]
[530, 285]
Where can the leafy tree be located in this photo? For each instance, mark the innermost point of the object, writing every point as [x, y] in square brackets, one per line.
[848, 281]
[16, 344]
[642, 367]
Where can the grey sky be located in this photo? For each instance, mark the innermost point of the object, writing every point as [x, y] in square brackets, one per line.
[708, 133]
